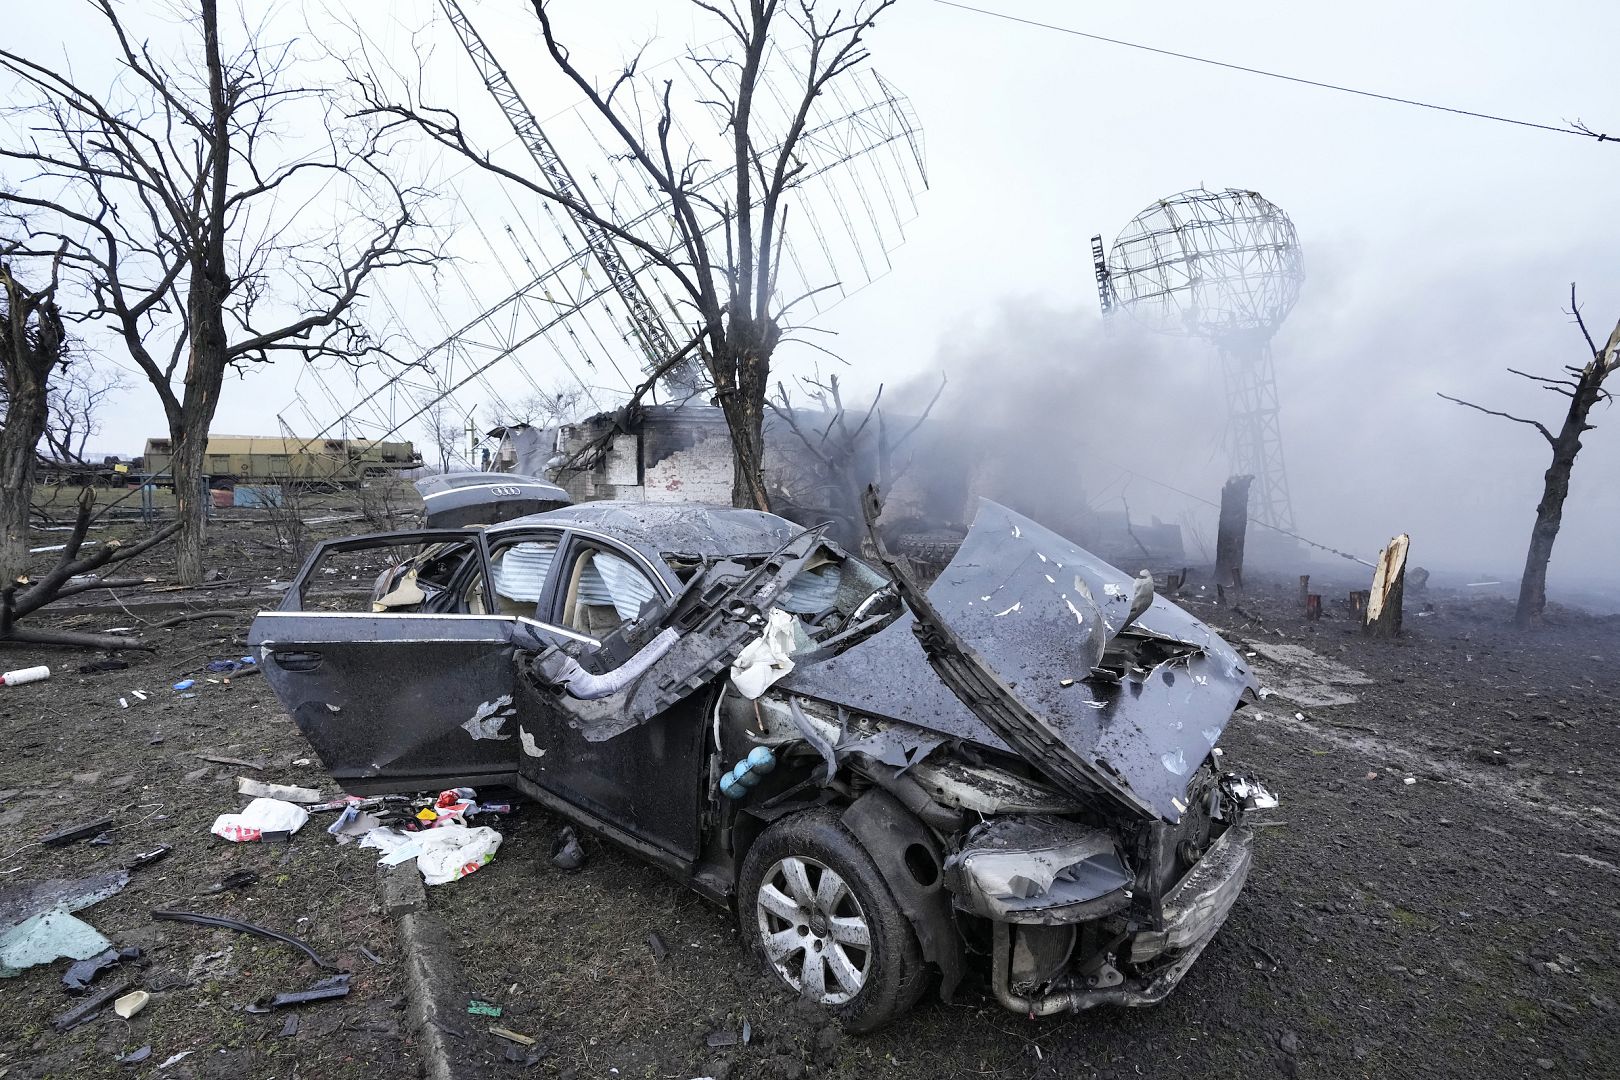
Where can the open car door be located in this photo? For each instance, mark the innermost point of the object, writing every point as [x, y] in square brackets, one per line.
[391, 696]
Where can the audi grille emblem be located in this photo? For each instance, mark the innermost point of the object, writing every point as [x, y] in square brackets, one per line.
[506, 491]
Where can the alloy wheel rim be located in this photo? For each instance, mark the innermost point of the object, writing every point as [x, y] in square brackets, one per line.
[814, 932]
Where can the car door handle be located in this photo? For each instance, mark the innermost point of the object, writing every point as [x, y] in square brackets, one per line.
[296, 661]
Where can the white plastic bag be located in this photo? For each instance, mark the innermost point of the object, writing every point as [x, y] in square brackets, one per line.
[767, 658]
[442, 855]
[259, 817]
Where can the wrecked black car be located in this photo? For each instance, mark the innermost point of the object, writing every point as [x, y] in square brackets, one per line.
[1017, 766]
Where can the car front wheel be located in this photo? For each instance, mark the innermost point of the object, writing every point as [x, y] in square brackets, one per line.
[817, 911]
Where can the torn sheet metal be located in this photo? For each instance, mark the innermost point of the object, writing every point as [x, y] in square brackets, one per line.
[717, 614]
[1017, 625]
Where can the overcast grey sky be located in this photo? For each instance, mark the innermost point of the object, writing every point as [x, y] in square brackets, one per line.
[1438, 248]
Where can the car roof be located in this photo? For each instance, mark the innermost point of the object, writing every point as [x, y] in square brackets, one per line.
[660, 528]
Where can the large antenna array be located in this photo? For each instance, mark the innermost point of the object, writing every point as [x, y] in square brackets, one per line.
[587, 309]
[1224, 266]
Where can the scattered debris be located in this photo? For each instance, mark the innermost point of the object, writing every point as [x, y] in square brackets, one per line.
[369, 955]
[718, 1039]
[78, 977]
[239, 879]
[45, 937]
[290, 1028]
[96, 667]
[147, 858]
[244, 927]
[34, 920]
[259, 818]
[134, 1057]
[75, 833]
[256, 766]
[25, 675]
[131, 1003]
[334, 987]
[482, 1008]
[656, 944]
[512, 1036]
[174, 1058]
[91, 1005]
[442, 855]
[185, 684]
[284, 792]
[566, 853]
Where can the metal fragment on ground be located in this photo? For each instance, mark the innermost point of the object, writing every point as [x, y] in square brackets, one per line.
[335, 987]
[78, 977]
[243, 927]
[91, 1005]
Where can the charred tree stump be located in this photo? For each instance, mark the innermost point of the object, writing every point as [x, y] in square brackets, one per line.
[1304, 589]
[1313, 606]
[1231, 532]
[1358, 601]
[1389, 581]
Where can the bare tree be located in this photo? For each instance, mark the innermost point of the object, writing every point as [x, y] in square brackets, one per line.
[198, 219]
[1584, 388]
[75, 406]
[33, 343]
[445, 429]
[849, 454]
[550, 408]
[724, 263]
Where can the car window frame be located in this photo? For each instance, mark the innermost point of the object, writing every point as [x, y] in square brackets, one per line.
[579, 539]
[494, 540]
[293, 599]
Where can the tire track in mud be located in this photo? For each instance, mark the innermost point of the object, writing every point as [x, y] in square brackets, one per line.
[1310, 680]
[1523, 798]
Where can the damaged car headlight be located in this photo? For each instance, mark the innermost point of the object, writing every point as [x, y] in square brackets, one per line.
[1038, 869]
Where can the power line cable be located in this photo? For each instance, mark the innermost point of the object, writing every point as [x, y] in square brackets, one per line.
[1577, 128]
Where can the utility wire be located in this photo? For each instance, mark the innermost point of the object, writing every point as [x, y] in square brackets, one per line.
[1567, 129]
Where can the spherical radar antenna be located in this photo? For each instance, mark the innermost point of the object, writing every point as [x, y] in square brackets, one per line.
[1210, 264]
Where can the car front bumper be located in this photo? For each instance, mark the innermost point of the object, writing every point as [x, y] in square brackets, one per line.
[1193, 911]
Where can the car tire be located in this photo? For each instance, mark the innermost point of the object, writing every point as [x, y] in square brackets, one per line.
[807, 926]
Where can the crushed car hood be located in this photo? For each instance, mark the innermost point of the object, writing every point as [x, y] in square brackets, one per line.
[1022, 629]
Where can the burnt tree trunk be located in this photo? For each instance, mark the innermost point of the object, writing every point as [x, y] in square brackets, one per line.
[32, 342]
[209, 288]
[1231, 533]
[742, 382]
[1586, 392]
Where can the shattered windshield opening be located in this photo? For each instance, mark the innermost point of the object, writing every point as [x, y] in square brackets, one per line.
[837, 599]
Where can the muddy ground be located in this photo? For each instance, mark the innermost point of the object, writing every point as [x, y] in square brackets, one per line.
[1463, 924]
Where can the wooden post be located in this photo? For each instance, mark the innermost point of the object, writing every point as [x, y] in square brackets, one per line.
[1388, 584]
[1313, 606]
[1304, 589]
[1230, 533]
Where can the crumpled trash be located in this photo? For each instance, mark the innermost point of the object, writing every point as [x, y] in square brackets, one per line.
[353, 823]
[767, 658]
[441, 854]
[259, 817]
[258, 789]
[566, 853]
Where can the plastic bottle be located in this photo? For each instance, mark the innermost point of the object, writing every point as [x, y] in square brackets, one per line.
[25, 675]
